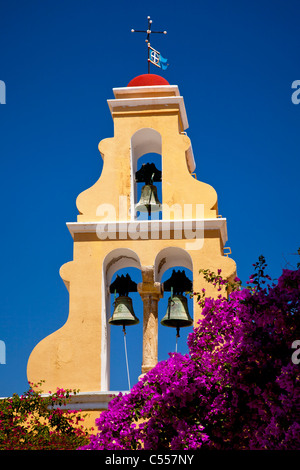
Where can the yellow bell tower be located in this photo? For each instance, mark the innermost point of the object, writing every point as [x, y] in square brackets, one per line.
[149, 115]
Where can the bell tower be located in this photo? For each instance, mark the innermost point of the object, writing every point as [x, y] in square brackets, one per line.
[116, 229]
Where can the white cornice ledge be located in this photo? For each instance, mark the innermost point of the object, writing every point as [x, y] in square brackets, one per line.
[125, 91]
[89, 400]
[150, 226]
[162, 101]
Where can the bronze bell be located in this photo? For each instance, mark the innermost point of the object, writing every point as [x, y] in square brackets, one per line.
[123, 312]
[177, 315]
[149, 201]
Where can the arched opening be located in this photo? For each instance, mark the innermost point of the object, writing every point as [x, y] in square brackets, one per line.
[167, 336]
[114, 376]
[126, 350]
[169, 260]
[146, 148]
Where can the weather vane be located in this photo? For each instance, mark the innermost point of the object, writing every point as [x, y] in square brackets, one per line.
[154, 57]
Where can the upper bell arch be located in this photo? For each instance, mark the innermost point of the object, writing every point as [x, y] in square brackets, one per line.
[143, 141]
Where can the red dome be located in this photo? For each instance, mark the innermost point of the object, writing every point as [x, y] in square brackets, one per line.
[148, 79]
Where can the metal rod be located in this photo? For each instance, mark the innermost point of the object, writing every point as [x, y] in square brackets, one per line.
[125, 347]
[177, 336]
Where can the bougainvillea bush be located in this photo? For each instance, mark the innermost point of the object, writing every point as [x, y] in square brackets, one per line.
[238, 388]
[36, 422]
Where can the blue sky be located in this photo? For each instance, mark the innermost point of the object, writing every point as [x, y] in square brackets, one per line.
[234, 63]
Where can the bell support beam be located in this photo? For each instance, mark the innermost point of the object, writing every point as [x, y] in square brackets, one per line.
[151, 292]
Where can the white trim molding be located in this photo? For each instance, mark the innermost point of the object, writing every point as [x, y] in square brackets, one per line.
[158, 95]
[153, 101]
[134, 90]
[142, 227]
[88, 401]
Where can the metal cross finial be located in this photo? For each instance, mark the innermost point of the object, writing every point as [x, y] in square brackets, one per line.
[149, 32]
